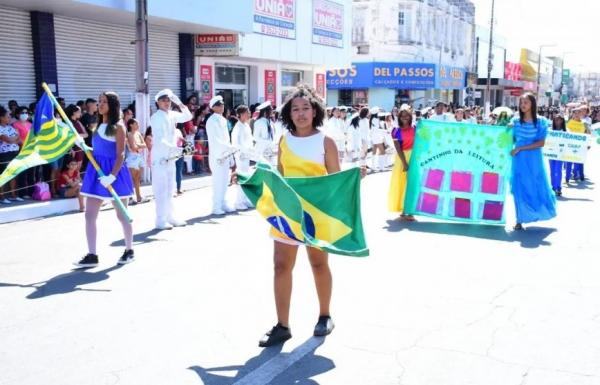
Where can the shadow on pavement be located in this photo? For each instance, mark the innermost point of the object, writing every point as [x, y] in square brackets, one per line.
[272, 367]
[141, 238]
[532, 237]
[579, 185]
[65, 283]
[565, 199]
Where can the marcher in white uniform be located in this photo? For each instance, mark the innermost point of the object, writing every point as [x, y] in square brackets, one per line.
[335, 131]
[164, 155]
[353, 140]
[264, 133]
[365, 134]
[241, 139]
[441, 115]
[377, 140]
[388, 126]
[218, 159]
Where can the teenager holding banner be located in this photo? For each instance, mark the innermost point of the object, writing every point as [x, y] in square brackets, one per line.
[578, 126]
[108, 144]
[534, 201]
[404, 138]
[558, 124]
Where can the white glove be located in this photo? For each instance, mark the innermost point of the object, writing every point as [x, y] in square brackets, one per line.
[175, 99]
[107, 180]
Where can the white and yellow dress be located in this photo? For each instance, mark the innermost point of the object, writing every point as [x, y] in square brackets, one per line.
[300, 156]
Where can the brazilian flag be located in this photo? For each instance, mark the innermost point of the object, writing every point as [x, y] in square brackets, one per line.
[321, 212]
[46, 142]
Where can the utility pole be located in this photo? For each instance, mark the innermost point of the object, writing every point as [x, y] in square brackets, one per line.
[142, 100]
[490, 65]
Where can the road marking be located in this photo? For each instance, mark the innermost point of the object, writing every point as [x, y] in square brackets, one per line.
[280, 363]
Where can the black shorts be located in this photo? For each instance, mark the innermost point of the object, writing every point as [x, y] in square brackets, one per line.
[5, 158]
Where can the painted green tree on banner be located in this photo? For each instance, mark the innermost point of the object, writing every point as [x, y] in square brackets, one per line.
[459, 172]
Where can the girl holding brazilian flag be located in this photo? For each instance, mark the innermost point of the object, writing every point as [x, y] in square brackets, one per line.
[310, 202]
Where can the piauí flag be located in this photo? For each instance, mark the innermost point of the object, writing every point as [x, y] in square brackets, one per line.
[46, 142]
[321, 212]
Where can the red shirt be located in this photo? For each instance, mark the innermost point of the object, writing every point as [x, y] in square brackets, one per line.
[406, 137]
[65, 176]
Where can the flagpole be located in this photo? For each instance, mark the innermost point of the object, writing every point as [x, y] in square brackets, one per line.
[87, 151]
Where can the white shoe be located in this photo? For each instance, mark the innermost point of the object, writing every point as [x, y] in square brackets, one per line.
[19, 199]
[5, 201]
[164, 226]
[218, 212]
[241, 207]
[229, 209]
[177, 223]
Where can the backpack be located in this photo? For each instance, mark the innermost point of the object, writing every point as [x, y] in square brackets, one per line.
[41, 191]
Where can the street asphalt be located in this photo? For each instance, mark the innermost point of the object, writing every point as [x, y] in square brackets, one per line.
[435, 303]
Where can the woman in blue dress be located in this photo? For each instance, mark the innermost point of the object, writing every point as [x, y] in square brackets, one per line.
[534, 200]
[108, 145]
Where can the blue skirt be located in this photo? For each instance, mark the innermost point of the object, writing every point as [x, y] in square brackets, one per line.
[92, 187]
[534, 199]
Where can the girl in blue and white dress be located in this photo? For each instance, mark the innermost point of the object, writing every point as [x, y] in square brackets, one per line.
[534, 200]
[108, 145]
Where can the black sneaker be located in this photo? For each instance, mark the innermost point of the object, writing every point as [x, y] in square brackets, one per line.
[278, 335]
[90, 260]
[324, 326]
[126, 258]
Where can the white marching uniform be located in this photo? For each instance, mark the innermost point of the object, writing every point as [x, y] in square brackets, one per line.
[219, 145]
[335, 130]
[264, 139]
[241, 139]
[164, 147]
[353, 143]
[365, 137]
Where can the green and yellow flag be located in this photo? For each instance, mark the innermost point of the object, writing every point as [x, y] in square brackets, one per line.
[46, 142]
[321, 212]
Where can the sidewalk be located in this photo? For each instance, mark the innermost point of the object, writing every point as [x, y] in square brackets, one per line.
[31, 209]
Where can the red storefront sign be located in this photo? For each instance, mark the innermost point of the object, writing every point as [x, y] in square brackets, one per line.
[320, 85]
[206, 85]
[512, 71]
[271, 86]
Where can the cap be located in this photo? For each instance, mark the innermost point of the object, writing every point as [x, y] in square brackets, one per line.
[440, 102]
[405, 107]
[215, 100]
[162, 93]
[383, 114]
[374, 110]
[263, 105]
[343, 108]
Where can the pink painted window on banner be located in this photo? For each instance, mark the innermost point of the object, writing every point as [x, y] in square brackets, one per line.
[492, 210]
[461, 181]
[429, 203]
[462, 208]
[490, 183]
[434, 179]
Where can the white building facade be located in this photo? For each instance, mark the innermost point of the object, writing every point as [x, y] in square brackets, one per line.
[436, 32]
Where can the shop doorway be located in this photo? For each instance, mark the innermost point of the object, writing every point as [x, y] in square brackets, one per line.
[232, 84]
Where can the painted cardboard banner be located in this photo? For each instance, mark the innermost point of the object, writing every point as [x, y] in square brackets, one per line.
[328, 23]
[275, 18]
[459, 172]
[566, 146]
